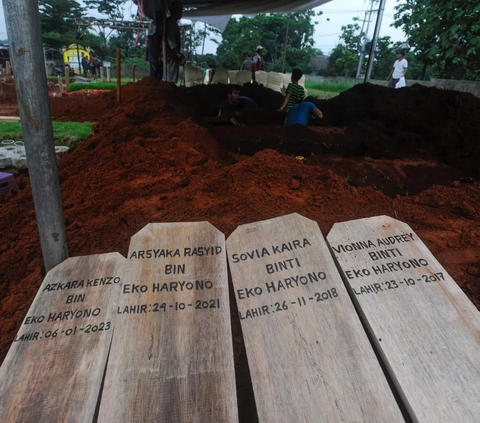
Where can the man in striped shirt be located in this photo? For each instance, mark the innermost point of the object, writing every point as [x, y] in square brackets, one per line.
[297, 110]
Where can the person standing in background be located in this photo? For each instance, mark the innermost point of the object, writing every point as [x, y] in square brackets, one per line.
[91, 64]
[154, 39]
[247, 64]
[84, 62]
[399, 70]
[257, 61]
[174, 55]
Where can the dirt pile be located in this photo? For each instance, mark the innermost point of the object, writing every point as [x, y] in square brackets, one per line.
[417, 121]
[8, 98]
[150, 160]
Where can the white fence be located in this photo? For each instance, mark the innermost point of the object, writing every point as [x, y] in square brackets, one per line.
[274, 80]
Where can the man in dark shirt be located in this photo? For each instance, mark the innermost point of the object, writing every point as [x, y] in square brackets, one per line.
[84, 65]
[234, 105]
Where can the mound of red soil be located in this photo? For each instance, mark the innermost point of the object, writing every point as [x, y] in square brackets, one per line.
[8, 98]
[151, 161]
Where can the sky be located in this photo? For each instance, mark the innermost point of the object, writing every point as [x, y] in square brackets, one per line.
[339, 12]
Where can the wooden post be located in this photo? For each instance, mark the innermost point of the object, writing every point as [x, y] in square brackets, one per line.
[67, 78]
[63, 360]
[109, 75]
[25, 39]
[60, 85]
[8, 69]
[119, 75]
[133, 73]
[101, 73]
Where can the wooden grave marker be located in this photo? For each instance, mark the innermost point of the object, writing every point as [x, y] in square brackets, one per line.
[54, 369]
[425, 328]
[172, 354]
[310, 359]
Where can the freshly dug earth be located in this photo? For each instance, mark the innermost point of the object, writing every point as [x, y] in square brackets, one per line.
[151, 160]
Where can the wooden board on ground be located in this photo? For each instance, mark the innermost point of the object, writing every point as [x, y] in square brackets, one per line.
[172, 353]
[425, 328]
[54, 369]
[309, 357]
[9, 119]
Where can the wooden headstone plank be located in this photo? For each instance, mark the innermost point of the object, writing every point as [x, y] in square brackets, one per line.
[54, 369]
[172, 353]
[424, 326]
[309, 357]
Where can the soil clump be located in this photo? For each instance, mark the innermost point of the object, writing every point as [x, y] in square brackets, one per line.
[154, 159]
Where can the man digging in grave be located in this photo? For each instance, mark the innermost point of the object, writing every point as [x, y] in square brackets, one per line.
[297, 110]
[235, 105]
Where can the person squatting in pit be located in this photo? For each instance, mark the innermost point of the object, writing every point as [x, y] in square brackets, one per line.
[235, 105]
[297, 110]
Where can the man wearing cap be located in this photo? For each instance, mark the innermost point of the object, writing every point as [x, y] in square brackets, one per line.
[399, 70]
[257, 61]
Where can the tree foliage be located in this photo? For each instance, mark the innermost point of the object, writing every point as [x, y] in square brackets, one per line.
[243, 35]
[444, 35]
[111, 8]
[345, 56]
[347, 61]
[352, 36]
[57, 20]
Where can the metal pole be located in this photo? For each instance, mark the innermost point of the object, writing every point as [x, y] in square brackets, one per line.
[374, 41]
[365, 37]
[204, 37]
[25, 39]
[164, 38]
[285, 43]
[79, 62]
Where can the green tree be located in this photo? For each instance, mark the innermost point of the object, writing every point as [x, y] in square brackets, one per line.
[207, 61]
[110, 8]
[347, 62]
[385, 56]
[243, 35]
[444, 35]
[352, 36]
[57, 20]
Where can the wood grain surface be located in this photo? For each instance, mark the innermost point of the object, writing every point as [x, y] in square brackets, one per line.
[309, 356]
[53, 371]
[425, 328]
[172, 354]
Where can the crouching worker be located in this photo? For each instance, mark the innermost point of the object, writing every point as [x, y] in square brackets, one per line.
[235, 105]
[298, 111]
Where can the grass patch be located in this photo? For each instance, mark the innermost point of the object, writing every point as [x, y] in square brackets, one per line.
[99, 85]
[321, 94]
[335, 87]
[92, 86]
[71, 134]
